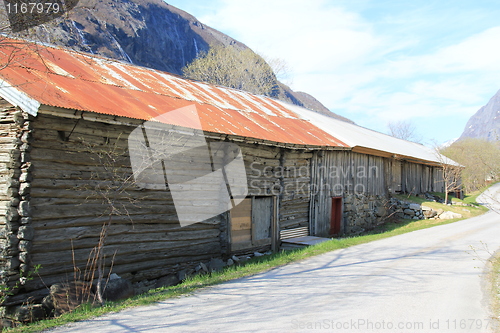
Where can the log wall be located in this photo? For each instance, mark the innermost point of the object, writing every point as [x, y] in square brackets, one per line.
[70, 182]
[71, 189]
[16, 231]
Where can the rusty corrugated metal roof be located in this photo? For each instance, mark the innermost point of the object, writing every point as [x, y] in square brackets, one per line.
[68, 79]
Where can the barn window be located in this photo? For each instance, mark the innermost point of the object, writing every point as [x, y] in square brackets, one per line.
[251, 223]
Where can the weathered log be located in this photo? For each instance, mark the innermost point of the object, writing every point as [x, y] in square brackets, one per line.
[63, 261]
[92, 210]
[118, 234]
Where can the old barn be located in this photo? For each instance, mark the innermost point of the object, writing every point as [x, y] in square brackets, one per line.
[66, 164]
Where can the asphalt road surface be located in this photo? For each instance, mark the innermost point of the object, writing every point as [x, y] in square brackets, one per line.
[425, 281]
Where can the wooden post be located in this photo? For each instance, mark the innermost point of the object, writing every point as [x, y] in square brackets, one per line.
[274, 226]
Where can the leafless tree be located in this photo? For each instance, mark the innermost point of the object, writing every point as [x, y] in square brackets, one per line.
[451, 173]
[405, 130]
[231, 67]
[280, 68]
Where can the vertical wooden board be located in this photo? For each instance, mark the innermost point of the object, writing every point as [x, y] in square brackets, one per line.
[241, 224]
[261, 218]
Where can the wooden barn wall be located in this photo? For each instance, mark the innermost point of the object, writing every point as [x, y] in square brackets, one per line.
[144, 240]
[344, 174]
[420, 178]
[63, 211]
[364, 182]
[438, 180]
[52, 209]
[338, 172]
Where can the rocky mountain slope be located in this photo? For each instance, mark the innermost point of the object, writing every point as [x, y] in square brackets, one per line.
[149, 33]
[485, 123]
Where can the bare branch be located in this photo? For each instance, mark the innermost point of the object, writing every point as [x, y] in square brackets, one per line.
[405, 130]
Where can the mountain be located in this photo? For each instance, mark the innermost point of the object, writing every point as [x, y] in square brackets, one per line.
[148, 33]
[485, 123]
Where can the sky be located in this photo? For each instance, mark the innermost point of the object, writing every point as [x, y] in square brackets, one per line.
[432, 63]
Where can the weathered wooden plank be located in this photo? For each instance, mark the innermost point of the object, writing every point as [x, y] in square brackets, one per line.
[73, 157]
[261, 218]
[63, 221]
[243, 235]
[129, 252]
[240, 223]
[271, 153]
[123, 234]
[90, 209]
[90, 242]
[241, 211]
[237, 246]
[82, 126]
[290, 155]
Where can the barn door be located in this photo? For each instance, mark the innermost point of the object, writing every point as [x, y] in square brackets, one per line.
[251, 223]
[262, 214]
[241, 225]
[336, 216]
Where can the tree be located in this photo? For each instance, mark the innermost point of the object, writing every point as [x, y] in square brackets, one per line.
[480, 158]
[451, 177]
[404, 129]
[280, 68]
[230, 67]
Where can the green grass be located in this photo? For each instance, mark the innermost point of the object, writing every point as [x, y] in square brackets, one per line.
[493, 287]
[471, 198]
[251, 267]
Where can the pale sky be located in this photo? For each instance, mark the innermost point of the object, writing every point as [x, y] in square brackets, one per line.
[434, 63]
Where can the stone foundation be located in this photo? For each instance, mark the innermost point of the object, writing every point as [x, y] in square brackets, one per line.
[364, 212]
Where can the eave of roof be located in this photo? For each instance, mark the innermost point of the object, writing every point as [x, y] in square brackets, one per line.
[371, 142]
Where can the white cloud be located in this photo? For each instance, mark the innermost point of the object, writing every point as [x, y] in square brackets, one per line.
[478, 52]
[310, 36]
[373, 75]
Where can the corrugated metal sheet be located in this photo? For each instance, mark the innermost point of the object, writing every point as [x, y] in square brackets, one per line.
[371, 142]
[63, 78]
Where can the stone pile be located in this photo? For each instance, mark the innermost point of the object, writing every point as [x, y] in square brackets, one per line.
[215, 264]
[406, 210]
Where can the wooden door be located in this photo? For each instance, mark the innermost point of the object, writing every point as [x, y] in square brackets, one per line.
[336, 216]
[251, 223]
[241, 225]
[262, 215]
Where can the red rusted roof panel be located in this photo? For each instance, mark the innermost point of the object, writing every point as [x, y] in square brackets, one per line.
[68, 79]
